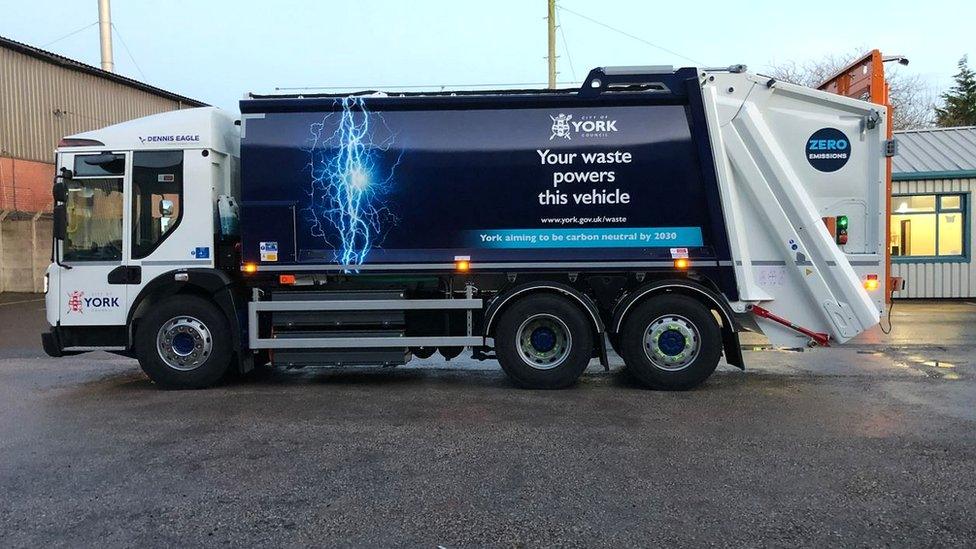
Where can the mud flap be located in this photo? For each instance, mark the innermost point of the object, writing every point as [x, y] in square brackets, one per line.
[732, 348]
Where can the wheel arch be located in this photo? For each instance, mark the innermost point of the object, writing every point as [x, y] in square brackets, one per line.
[695, 290]
[211, 284]
[506, 298]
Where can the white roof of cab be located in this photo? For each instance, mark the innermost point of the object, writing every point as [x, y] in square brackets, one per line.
[200, 128]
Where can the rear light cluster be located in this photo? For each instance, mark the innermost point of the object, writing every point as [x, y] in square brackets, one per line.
[871, 282]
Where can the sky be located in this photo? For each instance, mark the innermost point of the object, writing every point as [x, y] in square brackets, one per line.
[218, 50]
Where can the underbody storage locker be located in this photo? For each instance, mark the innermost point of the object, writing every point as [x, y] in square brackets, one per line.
[295, 324]
[787, 157]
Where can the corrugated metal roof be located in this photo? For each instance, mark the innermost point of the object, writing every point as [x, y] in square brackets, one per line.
[943, 152]
[82, 67]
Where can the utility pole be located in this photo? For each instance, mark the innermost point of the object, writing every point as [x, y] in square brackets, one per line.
[552, 44]
[105, 35]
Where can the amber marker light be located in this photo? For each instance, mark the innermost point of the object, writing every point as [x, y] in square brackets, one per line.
[462, 265]
[871, 283]
[250, 268]
[681, 263]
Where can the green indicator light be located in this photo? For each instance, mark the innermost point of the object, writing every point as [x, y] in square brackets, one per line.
[841, 221]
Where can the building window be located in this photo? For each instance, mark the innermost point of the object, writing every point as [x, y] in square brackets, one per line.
[929, 226]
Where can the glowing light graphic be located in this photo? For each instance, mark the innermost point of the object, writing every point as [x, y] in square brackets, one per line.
[349, 180]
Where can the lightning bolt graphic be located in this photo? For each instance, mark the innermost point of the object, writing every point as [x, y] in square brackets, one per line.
[349, 181]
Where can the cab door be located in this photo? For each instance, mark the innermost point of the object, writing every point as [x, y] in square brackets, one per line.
[92, 258]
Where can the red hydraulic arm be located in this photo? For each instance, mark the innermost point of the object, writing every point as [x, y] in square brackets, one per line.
[822, 339]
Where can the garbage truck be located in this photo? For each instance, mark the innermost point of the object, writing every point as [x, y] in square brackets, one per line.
[652, 212]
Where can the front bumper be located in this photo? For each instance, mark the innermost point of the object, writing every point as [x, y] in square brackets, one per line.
[72, 340]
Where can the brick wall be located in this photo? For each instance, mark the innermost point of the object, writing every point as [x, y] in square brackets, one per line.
[25, 185]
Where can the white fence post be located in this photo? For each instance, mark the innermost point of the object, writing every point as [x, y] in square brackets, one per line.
[33, 259]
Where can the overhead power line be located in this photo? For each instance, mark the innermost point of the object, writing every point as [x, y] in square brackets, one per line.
[562, 33]
[629, 35]
[127, 51]
[69, 35]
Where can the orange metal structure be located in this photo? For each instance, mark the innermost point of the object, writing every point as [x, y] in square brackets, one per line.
[864, 79]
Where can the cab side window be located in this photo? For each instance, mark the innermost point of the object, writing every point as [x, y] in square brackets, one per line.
[157, 198]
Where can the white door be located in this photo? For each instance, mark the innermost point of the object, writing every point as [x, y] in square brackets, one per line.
[93, 257]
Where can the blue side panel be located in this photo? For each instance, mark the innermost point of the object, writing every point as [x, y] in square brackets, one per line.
[523, 178]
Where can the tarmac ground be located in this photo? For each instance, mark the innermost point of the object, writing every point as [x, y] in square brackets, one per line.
[872, 443]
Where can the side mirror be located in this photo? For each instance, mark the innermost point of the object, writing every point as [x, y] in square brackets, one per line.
[166, 208]
[60, 221]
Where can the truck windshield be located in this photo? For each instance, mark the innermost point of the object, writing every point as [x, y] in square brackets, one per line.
[94, 211]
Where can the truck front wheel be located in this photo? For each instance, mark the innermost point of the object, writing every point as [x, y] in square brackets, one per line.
[543, 342]
[671, 342]
[184, 343]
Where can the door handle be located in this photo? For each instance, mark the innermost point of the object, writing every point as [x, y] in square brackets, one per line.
[125, 274]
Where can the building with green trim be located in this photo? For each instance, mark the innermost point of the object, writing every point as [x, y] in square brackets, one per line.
[932, 228]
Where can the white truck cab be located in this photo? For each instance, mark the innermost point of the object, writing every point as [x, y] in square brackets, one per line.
[124, 190]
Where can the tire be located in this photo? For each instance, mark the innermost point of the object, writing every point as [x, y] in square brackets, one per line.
[450, 352]
[423, 352]
[544, 342]
[671, 342]
[179, 328]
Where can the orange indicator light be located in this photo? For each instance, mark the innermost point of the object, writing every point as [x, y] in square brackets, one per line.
[871, 283]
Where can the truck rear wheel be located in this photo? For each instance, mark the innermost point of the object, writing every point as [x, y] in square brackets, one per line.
[543, 342]
[671, 342]
[184, 343]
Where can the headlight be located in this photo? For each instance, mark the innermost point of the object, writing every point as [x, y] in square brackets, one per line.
[47, 282]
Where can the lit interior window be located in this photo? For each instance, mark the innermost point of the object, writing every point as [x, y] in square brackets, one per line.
[928, 226]
[950, 202]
